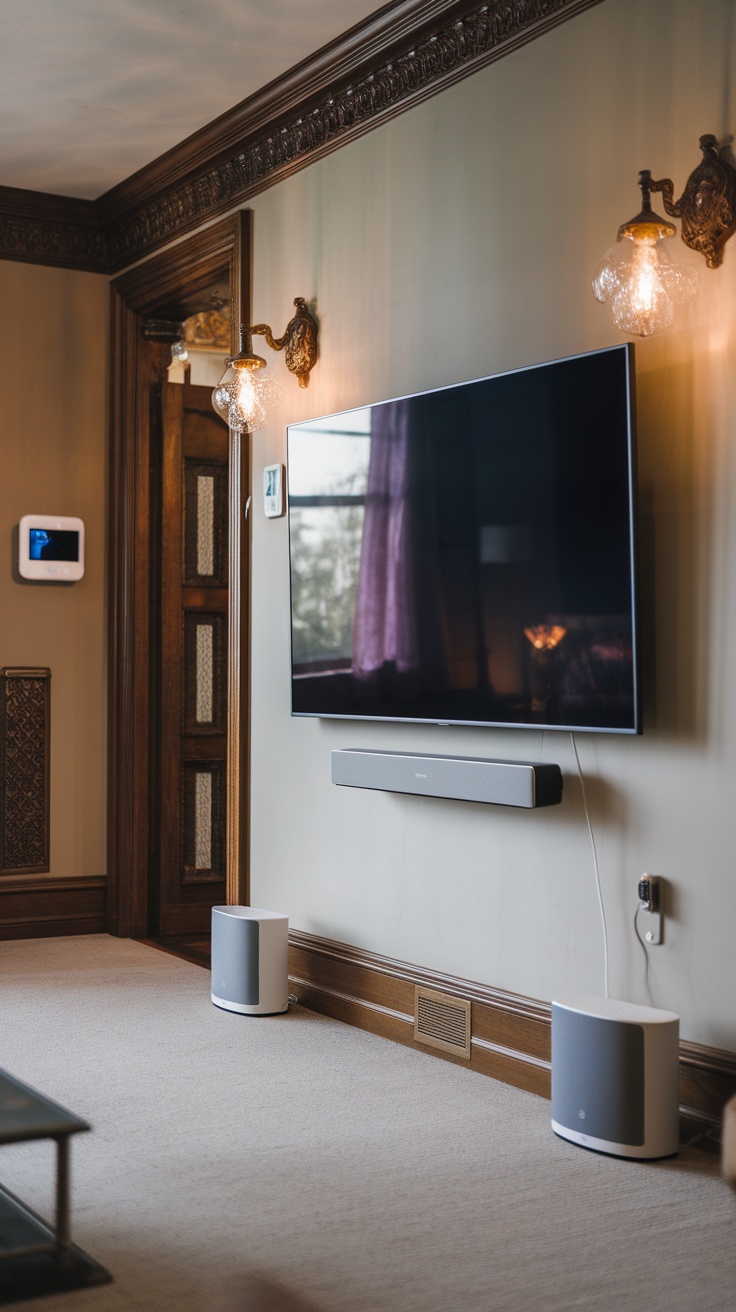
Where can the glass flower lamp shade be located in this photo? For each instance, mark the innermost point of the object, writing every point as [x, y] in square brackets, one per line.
[246, 393]
[638, 277]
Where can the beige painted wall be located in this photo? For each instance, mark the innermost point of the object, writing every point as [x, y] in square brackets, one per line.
[456, 241]
[53, 361]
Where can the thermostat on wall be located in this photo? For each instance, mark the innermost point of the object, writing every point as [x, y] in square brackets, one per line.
[273, 491]
[51, 547]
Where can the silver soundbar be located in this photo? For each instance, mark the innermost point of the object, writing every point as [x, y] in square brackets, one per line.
[464, 778]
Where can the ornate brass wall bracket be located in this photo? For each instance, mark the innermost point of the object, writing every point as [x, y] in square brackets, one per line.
[707, 206]
[299, 342]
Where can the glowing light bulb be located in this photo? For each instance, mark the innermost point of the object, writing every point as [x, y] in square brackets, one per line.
[638, 277]
[243, 396]
[643, 286]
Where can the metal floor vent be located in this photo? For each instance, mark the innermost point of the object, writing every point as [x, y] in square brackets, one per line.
[442, 1021]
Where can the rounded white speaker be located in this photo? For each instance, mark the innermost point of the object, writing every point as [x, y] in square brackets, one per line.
[250, 960]
[615, 1071]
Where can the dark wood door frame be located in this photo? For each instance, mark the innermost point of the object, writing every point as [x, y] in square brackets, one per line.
[168, 285]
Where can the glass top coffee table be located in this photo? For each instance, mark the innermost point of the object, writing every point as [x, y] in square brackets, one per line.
[35, 1256]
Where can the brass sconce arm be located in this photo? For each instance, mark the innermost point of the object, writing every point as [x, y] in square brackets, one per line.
[299, 341]
[707, 206]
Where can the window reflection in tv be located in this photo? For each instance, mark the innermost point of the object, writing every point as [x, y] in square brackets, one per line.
[467, 555]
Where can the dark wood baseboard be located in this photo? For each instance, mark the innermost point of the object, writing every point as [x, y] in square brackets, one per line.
[44, 906]
[510, 1034]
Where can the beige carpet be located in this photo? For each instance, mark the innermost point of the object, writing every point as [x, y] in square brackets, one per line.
[292, 1164]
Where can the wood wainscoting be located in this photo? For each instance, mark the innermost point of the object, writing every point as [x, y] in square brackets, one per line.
[510, 1034]
[45, 906]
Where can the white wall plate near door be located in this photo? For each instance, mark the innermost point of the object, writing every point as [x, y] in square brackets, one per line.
[273, 491]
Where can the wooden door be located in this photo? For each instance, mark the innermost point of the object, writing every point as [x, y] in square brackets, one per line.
[193, 660]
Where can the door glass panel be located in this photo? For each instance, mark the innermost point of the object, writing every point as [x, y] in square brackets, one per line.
[205, 525]
[204, 703]
[205, 672]
[204, 821]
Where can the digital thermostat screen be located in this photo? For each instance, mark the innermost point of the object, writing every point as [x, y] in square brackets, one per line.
[51, 548]
[53, 544]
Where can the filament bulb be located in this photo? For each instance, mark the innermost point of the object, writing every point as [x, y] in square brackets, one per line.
[243, 396]
[643, 286]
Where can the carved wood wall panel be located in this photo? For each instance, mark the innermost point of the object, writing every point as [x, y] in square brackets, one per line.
[25, 703]
[392, 61]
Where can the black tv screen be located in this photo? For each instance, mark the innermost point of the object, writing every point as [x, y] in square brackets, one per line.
[466, 555]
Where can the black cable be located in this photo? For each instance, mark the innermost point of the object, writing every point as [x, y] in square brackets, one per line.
[595, 863]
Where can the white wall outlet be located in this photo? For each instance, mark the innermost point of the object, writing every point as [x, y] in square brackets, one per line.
[649, 916]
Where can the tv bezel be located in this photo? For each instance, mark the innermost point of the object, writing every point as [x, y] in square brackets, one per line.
[627, 348]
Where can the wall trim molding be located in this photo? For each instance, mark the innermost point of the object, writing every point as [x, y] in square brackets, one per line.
[396, 58]
[511, 1034]
[43, 906]
[172, 284]
[60, 231]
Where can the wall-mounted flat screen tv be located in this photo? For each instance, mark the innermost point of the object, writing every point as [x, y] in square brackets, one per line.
[467, 555]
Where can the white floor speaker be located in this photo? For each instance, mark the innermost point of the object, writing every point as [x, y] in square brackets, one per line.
[615, 1071]
[250, 960]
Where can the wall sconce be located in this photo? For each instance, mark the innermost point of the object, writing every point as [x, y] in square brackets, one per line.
[638, 277]
[245, 392]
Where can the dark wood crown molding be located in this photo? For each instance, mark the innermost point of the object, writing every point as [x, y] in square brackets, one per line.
[404, 53]
[391, 62]
[42, 229]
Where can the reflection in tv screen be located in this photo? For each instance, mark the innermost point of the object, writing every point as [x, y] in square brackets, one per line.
[467, 555]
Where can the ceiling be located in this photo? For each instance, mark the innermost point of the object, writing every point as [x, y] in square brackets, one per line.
[92, 90]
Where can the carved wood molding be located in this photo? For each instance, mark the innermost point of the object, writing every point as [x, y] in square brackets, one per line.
[54, 230]
[349, 96]
[171, 284]
[406, 52]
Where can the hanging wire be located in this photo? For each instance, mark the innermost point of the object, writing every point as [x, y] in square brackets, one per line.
[595, 865]
[643, 948]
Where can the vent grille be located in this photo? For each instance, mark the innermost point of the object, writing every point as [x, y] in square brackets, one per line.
[442, 1021]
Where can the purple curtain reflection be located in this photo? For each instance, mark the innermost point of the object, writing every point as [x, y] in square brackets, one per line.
[398, 624]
